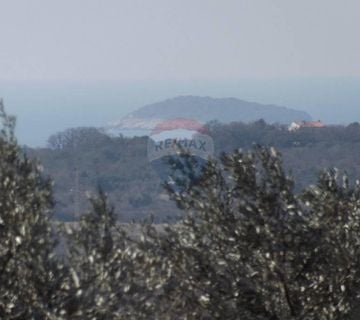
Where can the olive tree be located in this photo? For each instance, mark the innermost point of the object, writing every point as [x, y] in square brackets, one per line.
[115, 270]
[249, 247]
[30, 274]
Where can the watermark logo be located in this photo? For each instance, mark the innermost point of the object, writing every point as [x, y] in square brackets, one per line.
[171, 140]
[176, 136]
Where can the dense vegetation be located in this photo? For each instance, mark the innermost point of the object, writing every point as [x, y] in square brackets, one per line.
[248, 247]
[81, 159]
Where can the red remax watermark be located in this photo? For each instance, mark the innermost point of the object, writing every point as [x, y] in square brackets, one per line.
[175, 136]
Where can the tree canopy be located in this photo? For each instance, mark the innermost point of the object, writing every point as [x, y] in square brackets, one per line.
[248, 247]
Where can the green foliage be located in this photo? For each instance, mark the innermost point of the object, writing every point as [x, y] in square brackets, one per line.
[30, 275]
[120, 165]
[248, 247]
[77, 138]
[115, 274]
[251, 249]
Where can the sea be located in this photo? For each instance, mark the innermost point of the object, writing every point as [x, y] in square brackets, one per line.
[45, 107]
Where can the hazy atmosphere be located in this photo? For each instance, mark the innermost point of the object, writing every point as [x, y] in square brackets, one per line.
[85, 62]
[179, 160]
[160, 39]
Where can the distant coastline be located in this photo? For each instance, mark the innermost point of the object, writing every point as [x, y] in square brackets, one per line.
[46, 107]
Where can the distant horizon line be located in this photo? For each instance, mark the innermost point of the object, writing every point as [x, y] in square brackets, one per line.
[175, 80]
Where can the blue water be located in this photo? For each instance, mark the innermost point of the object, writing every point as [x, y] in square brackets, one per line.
[43, 108]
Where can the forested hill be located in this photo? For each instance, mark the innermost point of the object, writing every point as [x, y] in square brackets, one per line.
[81, 159]
[205, 109]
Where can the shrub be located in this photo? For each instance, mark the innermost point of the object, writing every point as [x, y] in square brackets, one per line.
[248, 247]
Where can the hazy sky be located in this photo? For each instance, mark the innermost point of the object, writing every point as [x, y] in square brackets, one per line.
[68, 63]
[178, 39]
